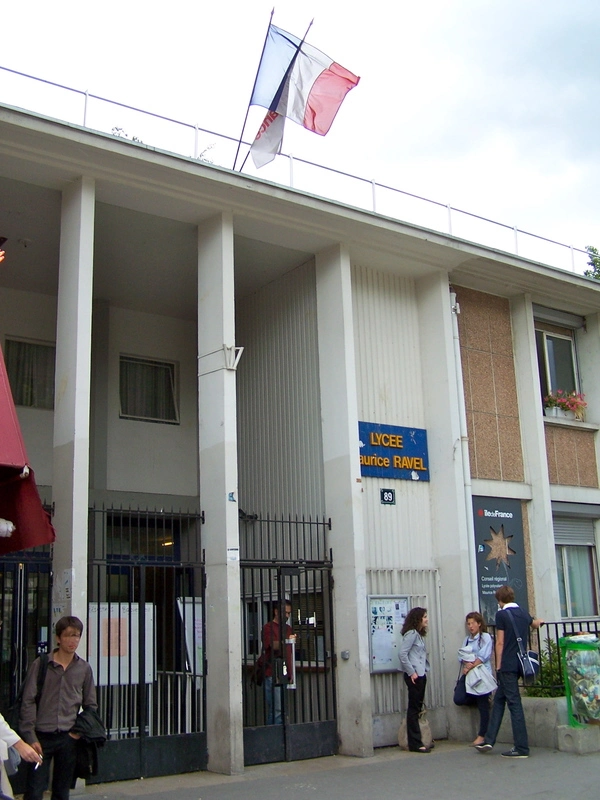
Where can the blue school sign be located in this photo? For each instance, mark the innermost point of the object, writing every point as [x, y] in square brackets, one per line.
[388, 451]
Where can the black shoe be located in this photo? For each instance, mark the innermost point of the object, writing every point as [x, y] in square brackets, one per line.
[483, 748]
[421, 750]
[514, 753]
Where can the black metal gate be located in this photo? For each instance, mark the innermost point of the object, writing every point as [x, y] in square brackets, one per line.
[286, 563]
[146, 641]
[25, 612]
[25, 604]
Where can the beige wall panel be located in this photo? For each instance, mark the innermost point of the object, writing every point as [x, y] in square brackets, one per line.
[481, 381]
[487, 451]
[505, 387]
[586, 459]
[489, 381]
[511, 463]
[566, 457]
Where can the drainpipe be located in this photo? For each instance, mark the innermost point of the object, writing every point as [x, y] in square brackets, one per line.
[464, 448]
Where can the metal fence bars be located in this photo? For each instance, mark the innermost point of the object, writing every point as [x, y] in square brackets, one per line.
[289, 714]
[550, 681]
[145, 638]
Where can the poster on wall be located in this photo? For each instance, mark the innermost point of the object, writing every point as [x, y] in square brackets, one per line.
[386, 618]
[113, 643]
[499, 547]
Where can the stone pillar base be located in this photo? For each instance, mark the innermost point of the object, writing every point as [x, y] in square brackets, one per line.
[579, 740]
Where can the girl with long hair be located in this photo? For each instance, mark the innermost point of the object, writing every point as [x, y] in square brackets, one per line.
[413, 658]
[480, 643]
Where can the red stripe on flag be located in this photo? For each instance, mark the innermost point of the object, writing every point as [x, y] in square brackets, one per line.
[326, 96]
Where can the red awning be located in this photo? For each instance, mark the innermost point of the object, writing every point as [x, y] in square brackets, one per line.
[23, 521]
[12, 448]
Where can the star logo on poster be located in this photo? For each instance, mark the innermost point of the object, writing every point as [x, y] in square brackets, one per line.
[499, 547]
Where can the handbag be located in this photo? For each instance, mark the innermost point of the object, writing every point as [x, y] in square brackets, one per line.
[480, 681]
[426, 735]
[529, 660]
[461, 696]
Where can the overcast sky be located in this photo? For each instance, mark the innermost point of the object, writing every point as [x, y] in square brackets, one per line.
[490, 106]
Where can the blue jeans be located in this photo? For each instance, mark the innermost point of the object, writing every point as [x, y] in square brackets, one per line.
[507, 693]
[273, 699]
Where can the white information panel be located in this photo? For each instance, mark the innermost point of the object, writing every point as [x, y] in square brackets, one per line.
[386, 618]
[113, 643]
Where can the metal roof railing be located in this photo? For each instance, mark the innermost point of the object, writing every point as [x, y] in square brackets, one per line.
[98, 113]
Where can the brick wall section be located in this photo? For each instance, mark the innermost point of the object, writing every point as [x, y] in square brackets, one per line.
[490, 387]
[571, 456]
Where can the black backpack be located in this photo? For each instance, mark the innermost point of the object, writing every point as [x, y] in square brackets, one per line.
[14, 712]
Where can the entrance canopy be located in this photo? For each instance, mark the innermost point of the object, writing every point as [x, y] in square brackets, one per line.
[23, 521]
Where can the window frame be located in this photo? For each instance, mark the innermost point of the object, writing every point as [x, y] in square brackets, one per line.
[561, 550]
[546, 369]
[173, 372]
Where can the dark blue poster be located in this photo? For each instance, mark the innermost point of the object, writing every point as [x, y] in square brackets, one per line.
[388, 451]
[500, 551]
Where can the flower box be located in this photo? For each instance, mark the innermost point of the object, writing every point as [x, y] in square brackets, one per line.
[569, 405]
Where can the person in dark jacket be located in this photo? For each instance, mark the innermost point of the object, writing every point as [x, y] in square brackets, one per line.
[507, 674]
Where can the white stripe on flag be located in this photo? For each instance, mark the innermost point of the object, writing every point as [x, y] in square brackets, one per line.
[268, 139]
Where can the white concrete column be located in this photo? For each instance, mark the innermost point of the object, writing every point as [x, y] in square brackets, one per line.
[543, 555]
[72, 399]
[339, 411]
[218, 493]
[588, 345]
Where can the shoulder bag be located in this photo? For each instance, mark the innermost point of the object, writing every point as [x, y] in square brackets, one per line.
[529, 660]
[461, 698]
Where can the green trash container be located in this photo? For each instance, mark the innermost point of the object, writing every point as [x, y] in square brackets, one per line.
[580, 658]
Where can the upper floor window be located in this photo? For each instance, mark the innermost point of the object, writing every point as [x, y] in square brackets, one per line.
[555, 339]
[30, 367]
[556, 359]
[148, 390]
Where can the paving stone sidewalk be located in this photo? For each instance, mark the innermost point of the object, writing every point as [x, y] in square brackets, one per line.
[451, 772]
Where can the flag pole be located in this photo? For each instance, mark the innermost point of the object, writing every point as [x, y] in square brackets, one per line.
[279, 91]
[237, 152]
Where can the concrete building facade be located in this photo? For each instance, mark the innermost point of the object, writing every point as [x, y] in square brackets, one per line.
[211, 343]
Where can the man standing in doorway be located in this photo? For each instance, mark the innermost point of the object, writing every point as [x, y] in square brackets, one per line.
[46, 725]
[507, 669]
[279, 669]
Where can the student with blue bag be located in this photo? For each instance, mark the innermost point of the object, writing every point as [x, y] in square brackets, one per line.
[512, 627]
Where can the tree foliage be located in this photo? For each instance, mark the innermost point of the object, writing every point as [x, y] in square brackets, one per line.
[594, 263]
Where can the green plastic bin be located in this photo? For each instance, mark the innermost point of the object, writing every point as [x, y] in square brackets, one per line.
[580, 658]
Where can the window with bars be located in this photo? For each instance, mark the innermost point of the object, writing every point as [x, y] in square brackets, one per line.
[148, 390]
[30, 367]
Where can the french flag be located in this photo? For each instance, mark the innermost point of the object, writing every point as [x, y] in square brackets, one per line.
[297, 81]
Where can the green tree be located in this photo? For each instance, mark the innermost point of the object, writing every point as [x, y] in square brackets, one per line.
[594, 263]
